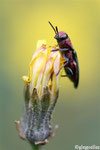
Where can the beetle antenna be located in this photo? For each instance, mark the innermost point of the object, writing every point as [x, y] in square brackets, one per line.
[56, 29]
[52, 27]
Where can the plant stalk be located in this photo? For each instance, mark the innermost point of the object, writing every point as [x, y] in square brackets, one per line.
[35, 147]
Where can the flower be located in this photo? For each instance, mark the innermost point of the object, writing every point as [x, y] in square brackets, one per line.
[41, 93]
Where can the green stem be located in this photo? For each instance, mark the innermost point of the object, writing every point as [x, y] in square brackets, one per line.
[35, 147]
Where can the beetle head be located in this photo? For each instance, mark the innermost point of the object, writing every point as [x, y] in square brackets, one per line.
[60, 36]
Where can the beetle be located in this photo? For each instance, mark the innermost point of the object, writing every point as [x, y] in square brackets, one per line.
[71, 65]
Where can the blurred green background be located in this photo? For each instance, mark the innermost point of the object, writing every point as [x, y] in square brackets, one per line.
[22, 23]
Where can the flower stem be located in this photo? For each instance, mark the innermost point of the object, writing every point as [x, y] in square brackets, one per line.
[36, 147]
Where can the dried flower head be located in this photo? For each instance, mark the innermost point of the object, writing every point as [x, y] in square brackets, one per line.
[41, 93]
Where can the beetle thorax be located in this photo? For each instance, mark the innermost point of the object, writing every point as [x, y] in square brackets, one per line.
[61, 34]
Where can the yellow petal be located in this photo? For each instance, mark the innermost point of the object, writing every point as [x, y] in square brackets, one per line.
[40, 42]
[55, 81]
[36, 55]
[49, 68]
[43, 69]
[26, 79]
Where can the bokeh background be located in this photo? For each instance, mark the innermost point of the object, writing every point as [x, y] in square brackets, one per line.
[22, 23]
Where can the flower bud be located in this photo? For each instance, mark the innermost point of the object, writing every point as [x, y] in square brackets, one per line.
[40, 95]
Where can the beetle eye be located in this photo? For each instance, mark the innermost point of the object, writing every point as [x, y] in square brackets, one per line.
[64, 36]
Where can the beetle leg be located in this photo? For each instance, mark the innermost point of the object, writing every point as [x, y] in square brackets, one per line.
[61, 50]
[64, 49]
[68, 75]
[61, 68]
[70, 71]
[65, 57]
[65, 75]
[54, 50]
